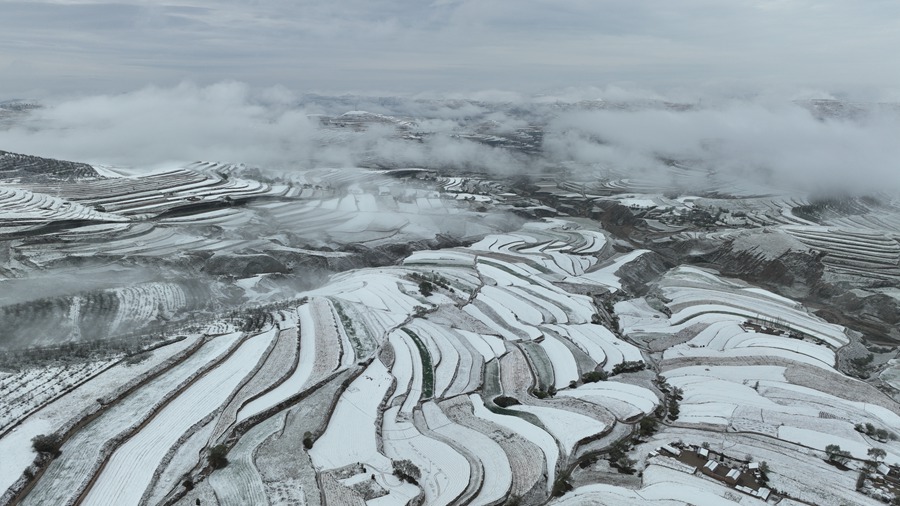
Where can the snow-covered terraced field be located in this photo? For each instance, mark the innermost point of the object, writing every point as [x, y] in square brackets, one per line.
[26, 391]
[151, 194]
[859, 251]
[23, 207]
[694, 292]
[746, 361]
[472, 375]
[82, 453]
[487, 294]
[240, 483]
[131, 463]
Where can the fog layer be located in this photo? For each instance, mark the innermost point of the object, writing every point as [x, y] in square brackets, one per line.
[819, 146]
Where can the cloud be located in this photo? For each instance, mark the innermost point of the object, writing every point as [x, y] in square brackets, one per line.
[765, 140]
[783, 146]
[235, 123]
[157, 126]
[412, 46]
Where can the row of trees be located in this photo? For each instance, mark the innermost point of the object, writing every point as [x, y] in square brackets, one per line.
[836, 455]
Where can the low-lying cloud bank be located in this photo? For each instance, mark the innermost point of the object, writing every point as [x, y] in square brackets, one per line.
[780, 143]
[784, 146]
[155, 126]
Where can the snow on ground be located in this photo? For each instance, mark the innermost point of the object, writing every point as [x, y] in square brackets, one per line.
[567, 427]
[350, 436]
[81, 452]
[749, 344]
[446, 356]
[641, 399]
[135, 461]
[606, 275]
[506, 287]
[445, 473]
[662, 486]
[489, 346]
[240, 483]
[564, 367]
[16, 446]
[295, 382]
[17, 451]
[189, 454]
[599, 343]
[760, 399]
[529, 431]
[403, 367]
[521, 310]
[496, 469]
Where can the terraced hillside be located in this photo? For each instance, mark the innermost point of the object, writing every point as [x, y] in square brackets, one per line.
[473, 375]
[170, 245]
[18, 167]
[225, 334]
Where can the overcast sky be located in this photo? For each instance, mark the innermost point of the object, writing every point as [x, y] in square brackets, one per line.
[412, 46]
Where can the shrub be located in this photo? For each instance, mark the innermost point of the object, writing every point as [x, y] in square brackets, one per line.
[216, 457]
[625, 465]
[673, 409]
[594, 376]
[763, 473]
[426, 288]
[870, 430]
[560, 487]
[504, 401]
[618, 451]
[407, 471]
[836, 454]
[46, 443]
[648, 426]
[629, 366]
[136, 358]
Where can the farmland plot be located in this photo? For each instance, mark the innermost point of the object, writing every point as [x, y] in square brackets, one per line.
[525, 460]
[530, 432]
[567, 427]
[625, 400]
[351, 434]
[497, 475]
[178, 463]
[26, 391]
[445, 473]
[240, 482]
[135, 461]
[16, 445]
[447, 362]
[282, 461]
[278, 363]
[282, 359]
[81, 454]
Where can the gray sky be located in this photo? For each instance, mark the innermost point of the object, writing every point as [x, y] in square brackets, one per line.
[411, 46]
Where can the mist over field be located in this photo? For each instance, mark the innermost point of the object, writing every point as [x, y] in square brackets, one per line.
[776, 142]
